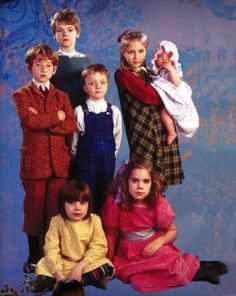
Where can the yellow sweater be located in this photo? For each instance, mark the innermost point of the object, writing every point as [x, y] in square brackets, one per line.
[68, 242]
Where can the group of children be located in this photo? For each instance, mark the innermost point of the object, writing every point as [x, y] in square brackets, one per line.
[71, 136]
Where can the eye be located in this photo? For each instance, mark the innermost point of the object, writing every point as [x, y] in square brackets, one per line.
[130, 52]
[83, 203]
[146, 181]
[134, 180]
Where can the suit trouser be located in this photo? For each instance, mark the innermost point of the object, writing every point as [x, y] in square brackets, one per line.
[40, 204]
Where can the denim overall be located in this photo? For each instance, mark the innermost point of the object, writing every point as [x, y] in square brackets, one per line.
[95, 158]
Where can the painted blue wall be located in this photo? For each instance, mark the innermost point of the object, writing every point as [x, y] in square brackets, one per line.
[205, 33]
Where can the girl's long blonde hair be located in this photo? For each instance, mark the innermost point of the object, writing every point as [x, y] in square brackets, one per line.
[124, 39]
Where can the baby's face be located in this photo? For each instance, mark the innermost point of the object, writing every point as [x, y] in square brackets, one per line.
[162, 57]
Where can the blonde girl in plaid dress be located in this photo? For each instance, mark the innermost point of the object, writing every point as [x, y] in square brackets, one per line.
[141, 105]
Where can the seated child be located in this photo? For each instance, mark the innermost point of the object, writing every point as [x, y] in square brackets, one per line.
[75, 244]
[140, 230]
[179, 111]
[96, 142]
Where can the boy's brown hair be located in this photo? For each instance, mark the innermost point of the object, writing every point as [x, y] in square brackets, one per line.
[93, 69]
[41, 51]
[65, 16]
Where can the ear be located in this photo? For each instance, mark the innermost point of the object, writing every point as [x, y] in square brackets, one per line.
[170, 54]
[85, 88]
[54, 70]
[28, 67]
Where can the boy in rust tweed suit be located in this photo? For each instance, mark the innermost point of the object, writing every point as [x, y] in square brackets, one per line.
[46, 118]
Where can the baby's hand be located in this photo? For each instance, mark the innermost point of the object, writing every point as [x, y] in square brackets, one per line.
[167, 65]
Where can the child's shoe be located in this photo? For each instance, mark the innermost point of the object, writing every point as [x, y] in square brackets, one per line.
[29, 267]
[42, 284]
[218, 266]
[101, 284]
[206, 275]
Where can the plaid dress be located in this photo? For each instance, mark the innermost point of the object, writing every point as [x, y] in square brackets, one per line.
[146, 136]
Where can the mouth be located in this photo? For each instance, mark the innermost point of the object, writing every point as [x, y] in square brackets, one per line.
[139, 193]
[77, 214]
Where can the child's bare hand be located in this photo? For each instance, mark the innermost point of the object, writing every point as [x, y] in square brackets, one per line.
[76, 273]
[167, 65]
[152, 247]
[33, 110]
[59, 275]
[61, 115]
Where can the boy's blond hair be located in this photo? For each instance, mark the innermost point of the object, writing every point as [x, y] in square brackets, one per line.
[93, 69]
[65, 16]
[41, 51]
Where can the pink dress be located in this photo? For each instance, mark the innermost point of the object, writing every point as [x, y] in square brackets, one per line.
[167, 268]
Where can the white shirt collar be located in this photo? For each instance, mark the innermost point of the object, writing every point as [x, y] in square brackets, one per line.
[93, 102]
[96, 102]
[38, 84]
[73, 54]
[97, 106]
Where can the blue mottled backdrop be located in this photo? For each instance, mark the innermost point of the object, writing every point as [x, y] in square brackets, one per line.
[205, 32]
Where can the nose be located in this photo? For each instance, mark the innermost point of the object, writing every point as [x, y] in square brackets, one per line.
[77, 205]
[135, 55]
[43, 68]
[97, 85]
[140, 184]
[64, 33]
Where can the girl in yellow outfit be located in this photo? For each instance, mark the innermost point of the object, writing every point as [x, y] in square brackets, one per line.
[75, 244]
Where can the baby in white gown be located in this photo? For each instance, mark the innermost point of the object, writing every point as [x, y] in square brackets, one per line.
[179, 114]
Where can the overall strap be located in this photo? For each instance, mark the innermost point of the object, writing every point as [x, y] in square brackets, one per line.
[109, 109]
[85, 108]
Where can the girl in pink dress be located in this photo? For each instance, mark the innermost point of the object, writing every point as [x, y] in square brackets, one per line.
[140, 230]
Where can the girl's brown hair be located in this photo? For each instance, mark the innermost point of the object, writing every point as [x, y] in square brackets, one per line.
[66, 16]
[121, 183]
[124, 39]
[71, 191]
[41, 51]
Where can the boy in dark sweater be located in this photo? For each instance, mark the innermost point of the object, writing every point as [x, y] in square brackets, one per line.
[65, 25]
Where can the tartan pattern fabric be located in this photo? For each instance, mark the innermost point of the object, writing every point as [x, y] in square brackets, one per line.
[147, 138]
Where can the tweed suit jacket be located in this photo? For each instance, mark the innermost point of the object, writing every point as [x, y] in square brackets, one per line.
[44, 150]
